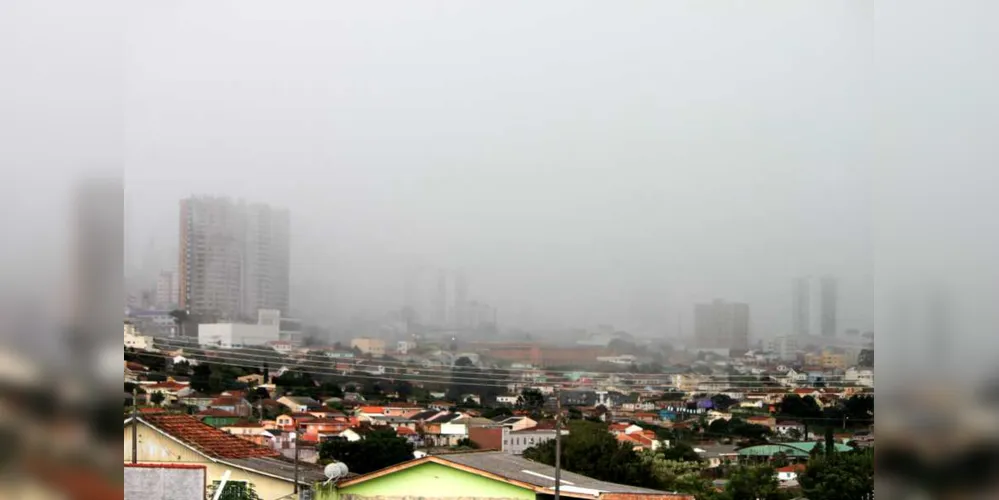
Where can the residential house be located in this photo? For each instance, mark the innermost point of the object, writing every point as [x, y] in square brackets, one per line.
[789, 474]
[488, 474]
[716, 455]
[515, 442]
[315, 430]
[769, 422]
[171, 390]
[517, 422]
[253, 432]
[183, 439]
[237, 405]
[253, 379]
[624, 428]
[293, 422]
[299, 404]
[507, 399]
[785, 428]
[644, 440]
[218, 418]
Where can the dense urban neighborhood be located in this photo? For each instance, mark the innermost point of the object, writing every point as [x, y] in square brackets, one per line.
[630, 418]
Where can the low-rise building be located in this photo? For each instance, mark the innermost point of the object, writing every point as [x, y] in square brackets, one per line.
[367, 345]
[488, 474]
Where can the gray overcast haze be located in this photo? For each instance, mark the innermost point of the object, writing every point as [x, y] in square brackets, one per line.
[588, 162]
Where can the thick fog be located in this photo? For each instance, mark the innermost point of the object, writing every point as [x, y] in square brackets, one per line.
[584, 163]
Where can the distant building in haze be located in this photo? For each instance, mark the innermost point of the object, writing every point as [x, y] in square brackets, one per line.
[813, 306]
[722, 325]
[167, 290]
[234, 258]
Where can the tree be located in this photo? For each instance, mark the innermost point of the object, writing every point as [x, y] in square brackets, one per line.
[842, 476]
[672, 475]
[681, 452]
[722, 402]
[200, 377]
[530, 399]
[754, 483]
[795, 406]
[380, 448]
[157, 398]
[592, 451]
[499, 411]
[234, 490]
[180, 317]
[463, 362]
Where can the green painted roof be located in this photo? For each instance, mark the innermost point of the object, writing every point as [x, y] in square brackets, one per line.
[800, 449]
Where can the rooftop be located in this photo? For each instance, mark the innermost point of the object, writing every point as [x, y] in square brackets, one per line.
[213, 442]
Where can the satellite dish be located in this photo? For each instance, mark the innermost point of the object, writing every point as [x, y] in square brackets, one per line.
[335, 470]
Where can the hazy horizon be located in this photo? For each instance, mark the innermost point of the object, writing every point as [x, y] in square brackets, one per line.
[585, 165]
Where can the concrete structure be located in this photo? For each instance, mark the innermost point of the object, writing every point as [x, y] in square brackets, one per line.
[167, 290]
[814, 305]
[784, 347]
[230, 335]
[374, 347]
[136, 341]
[165, 481]
[234, 258]
[722, 324]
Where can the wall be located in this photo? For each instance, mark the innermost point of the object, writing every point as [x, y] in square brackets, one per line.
[154, 447]
[487, 438]
[236, 334]
[430, 481]
[167, 482]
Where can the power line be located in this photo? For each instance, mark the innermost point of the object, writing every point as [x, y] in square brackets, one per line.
[386, 362]
[480, 380]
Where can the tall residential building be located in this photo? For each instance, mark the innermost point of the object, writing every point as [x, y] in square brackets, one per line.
[722, 325]
[167, 290]
[234, 258]
[461, 310]
[440, 299]
[813, 306]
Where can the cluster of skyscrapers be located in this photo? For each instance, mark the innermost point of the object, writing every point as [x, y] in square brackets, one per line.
[234, 258]
[725, 325]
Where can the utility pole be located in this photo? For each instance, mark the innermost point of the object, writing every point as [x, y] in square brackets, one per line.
[135, 425]
[558, 443]
[295, 441]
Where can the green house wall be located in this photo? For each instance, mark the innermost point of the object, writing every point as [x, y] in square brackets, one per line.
[428, 481]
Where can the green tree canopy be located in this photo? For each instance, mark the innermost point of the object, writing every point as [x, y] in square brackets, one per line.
[591, 450]
[380, 448]
[841, 476]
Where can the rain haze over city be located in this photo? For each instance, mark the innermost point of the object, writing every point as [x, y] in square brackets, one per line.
[700, 192]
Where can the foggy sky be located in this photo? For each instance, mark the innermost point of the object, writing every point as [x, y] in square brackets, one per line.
[593, 162]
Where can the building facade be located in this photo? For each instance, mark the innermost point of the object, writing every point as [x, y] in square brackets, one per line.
[814, 306]
[722, 325]
[234, 258]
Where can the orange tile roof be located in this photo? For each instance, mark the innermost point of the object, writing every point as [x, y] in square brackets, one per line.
[207, 439]
[405, 431]
[168, 385]
[373, 409]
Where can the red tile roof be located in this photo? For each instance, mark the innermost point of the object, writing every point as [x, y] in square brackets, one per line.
[169, 385]
[792, 468]
[405, 431]
[207, 439]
